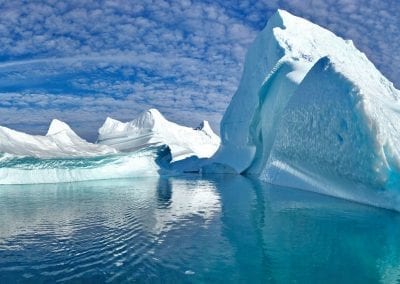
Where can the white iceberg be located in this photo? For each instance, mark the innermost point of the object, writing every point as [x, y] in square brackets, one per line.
[313, 112]
[151, 128]
[60, 141]
[62, 156]
[147, 146]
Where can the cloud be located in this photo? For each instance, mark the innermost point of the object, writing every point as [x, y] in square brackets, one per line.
[81, 61]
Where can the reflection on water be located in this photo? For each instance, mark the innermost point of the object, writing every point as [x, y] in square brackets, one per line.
[193, 229]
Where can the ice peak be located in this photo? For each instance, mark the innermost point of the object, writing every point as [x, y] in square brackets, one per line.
[283, 14]
[111, 122]
[154, 111]
[204, 126]
[149, 119]
[281, 17]
[155, 114]
[57, 126]
[286, 17]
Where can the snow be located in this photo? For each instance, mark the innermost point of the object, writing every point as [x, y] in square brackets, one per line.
[312, 112]
[60, 141]
[152, 128]
[145, 146]
[62, 156]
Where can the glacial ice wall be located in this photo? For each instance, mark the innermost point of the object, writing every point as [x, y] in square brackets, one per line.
[312, 112]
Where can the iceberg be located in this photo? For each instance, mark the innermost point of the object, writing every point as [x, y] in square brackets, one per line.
[152, 128]
[312, 112]
[147, 146]
[60, 141]
[62, 156]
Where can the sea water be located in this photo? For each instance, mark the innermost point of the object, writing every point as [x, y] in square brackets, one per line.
[192, 230]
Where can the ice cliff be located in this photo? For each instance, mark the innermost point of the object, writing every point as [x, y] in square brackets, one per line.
[312, 112]
[152, 128]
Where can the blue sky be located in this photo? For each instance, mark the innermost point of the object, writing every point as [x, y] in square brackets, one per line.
[81, 61]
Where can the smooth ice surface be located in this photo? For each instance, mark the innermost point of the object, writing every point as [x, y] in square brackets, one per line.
[193, 230]
[313, 112]
[151, 128]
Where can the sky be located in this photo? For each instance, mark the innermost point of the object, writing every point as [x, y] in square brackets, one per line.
[81, 61]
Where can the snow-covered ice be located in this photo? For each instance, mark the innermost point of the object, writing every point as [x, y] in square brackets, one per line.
[147, 146]
[60, 141]
[152, 128]
[62, 156]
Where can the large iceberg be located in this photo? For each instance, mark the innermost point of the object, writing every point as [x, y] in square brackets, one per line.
[152, 128]
[313, 112]
[62, 156]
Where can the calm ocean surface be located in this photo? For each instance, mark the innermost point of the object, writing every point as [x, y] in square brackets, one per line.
[192, 230]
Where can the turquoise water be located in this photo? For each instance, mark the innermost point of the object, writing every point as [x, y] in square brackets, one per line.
[192, 230]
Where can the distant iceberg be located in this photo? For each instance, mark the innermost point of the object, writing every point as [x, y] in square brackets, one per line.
[147, 146]
[313, 112]
[59, 142]
[62, 156]
[152, 128]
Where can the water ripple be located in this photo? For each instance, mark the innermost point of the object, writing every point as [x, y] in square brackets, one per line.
[190, 230]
